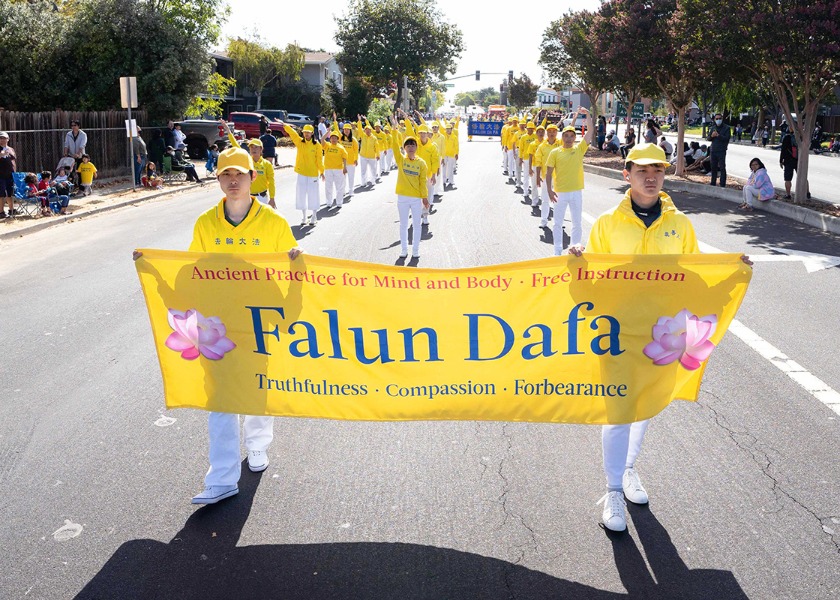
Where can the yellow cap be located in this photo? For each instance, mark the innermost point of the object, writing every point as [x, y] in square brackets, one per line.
[551, 127]
[647, 154]
[235, 158]
[569, 128]
[255, 142]
[541, 128]
[409, 139]
[347, 126]
[435, 124]
[531, 125]
[309, 128]
[423, 129]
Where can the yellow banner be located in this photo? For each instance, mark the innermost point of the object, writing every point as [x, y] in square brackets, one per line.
[598, 339]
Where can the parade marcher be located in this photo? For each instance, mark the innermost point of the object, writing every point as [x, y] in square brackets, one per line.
[539, 137]
[368, 154]
[541, 156]
[309, 165]
[351, 145]
[503, 143]
[524, 145]
[335, 170]
[517, 154]
[630, 228]
[510, 144]
[564, 180]
[382, 145]
[238, 215]
[429, 153]
[262, 186]
[451, 150]
[412, 192]
[439, 140]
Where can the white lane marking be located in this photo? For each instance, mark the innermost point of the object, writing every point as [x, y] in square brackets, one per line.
[807, 380]
[813, 262]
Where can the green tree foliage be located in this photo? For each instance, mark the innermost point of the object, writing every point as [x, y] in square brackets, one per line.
[210, 103]
[464, 99]
[259, 65]
[73, 57]
[385, 40]
[523, 92]
[380, 110]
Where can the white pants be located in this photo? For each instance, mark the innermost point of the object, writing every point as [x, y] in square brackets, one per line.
[574, 200]
[450, 170]
[545, 203]
[439, 182]
[511, 155]
[369, 172]
[383, 162]
[526, 178]
[752, 195]
[225, 457]
[351, 179]
[518, 170]
[262, 198]
[621, 445]
[334, 186]
[391, 162]
[535, 193]
[430, 197]
[406, 204]
[308, 194]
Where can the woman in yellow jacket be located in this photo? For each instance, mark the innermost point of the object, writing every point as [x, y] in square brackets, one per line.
[309, 165]
[368, 154]
[335, 169]
[412, 192]
[451, 149]
[351, 145]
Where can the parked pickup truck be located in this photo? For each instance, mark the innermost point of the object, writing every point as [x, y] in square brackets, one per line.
[201, 134]
[249, 122]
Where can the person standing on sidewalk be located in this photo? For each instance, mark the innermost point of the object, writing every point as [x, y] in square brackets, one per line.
[265, 231]
[141, 155]
[719, 136]
[75, 142]
[8, 165]
[564, 180]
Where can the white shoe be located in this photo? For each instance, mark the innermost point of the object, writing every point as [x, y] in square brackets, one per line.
[313, 221]
[634, 491]
[303, 221]
[543, 223]
[257, 460]
[614, 517]
[214, 493]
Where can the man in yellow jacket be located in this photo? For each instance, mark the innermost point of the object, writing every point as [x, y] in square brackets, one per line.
[644, 222]
[510, 145]
[335, 170]
[524, 146]
[309, 166]
[451, 149]
[412, 192]
[539, 137]
[429, 153]
[262, 186]
[543, 150]
[368, 154]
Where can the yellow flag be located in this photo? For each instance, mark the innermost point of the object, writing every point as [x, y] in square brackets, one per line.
[598, 339]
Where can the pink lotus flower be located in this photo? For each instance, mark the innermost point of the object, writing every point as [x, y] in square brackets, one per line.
[194, 334]
[684, 337]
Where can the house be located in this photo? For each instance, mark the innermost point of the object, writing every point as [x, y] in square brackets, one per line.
[319, 67]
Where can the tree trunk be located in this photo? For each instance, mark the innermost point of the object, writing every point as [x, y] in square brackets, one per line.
[804, 129]
[259, 100]
[680, 164]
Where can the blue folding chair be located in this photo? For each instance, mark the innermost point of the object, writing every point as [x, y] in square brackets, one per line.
[26, 205]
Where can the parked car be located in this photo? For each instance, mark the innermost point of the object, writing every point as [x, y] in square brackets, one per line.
[202, 133]
[275, 114]
[580, 121]
[249, 122]
[298, 120]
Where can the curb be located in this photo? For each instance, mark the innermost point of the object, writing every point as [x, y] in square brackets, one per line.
[58, 220]
[803, 215]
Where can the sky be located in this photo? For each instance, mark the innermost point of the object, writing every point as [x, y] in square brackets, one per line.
[495, 39]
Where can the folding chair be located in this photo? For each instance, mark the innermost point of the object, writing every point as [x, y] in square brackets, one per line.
[27, 206]
[168, 174]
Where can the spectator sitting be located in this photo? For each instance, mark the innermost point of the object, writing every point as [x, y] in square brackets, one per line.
[32, 191]
[57, 189]
[691, 153]
[758, 187]
[180, 165]
[629, 141]
[150, 178]
[611, 144]
[834, 144]
[702, 160]
[61, 182]
[68, 163]
[667, 147]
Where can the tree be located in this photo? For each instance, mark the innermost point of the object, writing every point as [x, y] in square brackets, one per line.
[569, 57]
[259, 65]
[796, 44]
[380, 110]
[386, 40]
[464, 99]
[210, 103]
[523, 92]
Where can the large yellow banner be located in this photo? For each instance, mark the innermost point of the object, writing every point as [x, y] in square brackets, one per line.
[598, 339]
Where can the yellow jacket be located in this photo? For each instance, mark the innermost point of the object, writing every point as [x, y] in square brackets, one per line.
[620, 231]
[429, 153]
[525, 144]
[411, 174]
[543, 150]
[452, 145]
[264, 169]
[369, 146]
[335, 157]
[309, 161]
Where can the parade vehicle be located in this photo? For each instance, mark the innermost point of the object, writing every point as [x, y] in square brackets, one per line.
[203, 133]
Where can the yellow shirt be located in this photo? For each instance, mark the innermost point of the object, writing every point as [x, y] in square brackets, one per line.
[334, 156]
[411, 174]
[265, 177]
[620, 231]
[452, 144]
[309, 161]
[525, 144]
[429, 153]
[440, 141]
[532, 150]
[262, 230]
[369, 146]
[86, 171]
[568, 167]
[541, 155]
[352, 149]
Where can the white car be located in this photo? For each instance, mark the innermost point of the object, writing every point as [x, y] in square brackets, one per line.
[579, 122]
[299, 120]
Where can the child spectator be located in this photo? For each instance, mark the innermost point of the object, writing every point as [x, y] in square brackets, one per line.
[759, 187]
[32, 191]
[57, 189]
[212, 157]
[87, 173]
[150, 178]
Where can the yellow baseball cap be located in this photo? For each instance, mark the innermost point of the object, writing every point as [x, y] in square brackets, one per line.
[531, 125]
[647, 154]
[551, 127]
[423, 129]
[347, 126]
[309, 128]
[255, 142]
[435, 124]
[236, 159]
[541, 128]
[410, 139]
[569, 128]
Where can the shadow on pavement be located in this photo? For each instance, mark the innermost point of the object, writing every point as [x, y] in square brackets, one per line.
[203, 561]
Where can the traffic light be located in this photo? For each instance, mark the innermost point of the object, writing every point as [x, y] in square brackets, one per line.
[502, 87]
[510, 75]
[478, 75]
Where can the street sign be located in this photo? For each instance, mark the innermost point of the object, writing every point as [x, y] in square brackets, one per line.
[450, 85]
[128, 92]
[620, 110]
[638, 110]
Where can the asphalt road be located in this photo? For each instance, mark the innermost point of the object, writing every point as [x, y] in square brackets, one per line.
[97, 475]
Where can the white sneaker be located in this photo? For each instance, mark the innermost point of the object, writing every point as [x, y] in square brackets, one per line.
[214, 493]
[303, 221]
[614, 517]
[634, 491]
[257, 460]
[313, 221]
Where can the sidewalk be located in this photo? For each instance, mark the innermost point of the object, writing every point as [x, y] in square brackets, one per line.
[117, 193]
